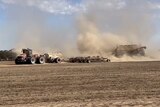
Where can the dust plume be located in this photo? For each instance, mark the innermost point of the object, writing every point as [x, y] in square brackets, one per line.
[109, 23]
[92, 41]
[97, 29]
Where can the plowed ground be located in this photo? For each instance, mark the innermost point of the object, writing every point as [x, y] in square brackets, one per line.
[95, 84]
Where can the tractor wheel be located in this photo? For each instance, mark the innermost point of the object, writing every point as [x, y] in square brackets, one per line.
[88, 61]
[41, 60]
[16, 62]
[32, 60]
[57, 60]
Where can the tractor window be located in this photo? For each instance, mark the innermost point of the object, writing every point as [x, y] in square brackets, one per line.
[27, 52]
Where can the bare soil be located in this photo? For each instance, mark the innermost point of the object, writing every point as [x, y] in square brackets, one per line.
[68, 85]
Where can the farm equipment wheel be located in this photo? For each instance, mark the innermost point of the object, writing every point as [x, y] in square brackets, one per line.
[108, 60]
[41, 60]
[57, 60]
[80, 61]
[88, 61]
[16, 62]
[32, 60]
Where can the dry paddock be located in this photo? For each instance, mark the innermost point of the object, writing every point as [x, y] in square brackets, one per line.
[68, 85]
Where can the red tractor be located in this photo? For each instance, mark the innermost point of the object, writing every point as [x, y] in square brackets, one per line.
[28, 58]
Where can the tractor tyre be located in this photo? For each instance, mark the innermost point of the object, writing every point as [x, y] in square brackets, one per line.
[41, 60]
[88, 61]
[57, 60]
[32, 60]
[16, 62]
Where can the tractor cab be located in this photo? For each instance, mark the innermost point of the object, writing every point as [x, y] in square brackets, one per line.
[27, 51]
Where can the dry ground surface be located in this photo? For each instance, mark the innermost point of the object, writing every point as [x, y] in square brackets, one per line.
[78, 85]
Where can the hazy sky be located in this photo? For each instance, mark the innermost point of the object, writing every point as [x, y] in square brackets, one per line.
[60, 16]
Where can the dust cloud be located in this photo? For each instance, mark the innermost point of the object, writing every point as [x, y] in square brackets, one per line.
[109, 23]
[92, 41]
[104, 25]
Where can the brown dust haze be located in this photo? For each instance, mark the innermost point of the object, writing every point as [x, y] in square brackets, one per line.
[104, 25]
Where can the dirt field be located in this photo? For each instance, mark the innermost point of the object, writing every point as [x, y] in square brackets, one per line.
[92, 85]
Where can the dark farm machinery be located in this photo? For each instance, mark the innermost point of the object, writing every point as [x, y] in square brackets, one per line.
[130, 50]
[27, 57]
[88, 59]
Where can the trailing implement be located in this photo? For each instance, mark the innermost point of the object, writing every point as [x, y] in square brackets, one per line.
[88, 59]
